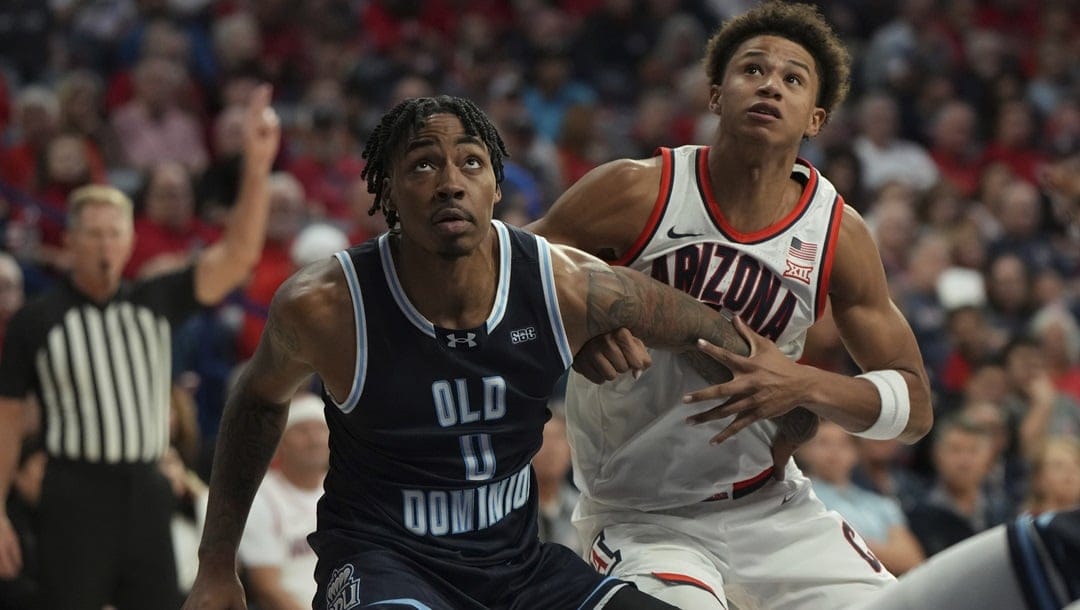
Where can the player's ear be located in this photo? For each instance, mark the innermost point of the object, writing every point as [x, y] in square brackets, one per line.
[498, 193]
[816, 122]
[715, 94]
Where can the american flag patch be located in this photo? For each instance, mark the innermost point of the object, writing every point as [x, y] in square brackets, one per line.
[802, 250]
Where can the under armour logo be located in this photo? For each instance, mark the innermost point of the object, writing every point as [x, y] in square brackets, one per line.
[452, 340]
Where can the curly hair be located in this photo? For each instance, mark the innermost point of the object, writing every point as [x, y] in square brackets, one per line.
[403, 120]
[800, 23]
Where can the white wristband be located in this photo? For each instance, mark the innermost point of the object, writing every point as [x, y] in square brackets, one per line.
[895, 405]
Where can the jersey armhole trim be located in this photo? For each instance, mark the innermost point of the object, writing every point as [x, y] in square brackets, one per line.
[360, 369]
[659, 207]
[827, 258]
[551, 299]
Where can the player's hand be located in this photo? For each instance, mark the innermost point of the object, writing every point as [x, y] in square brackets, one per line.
[766, 384]
[216, 591]
[10, 553]
[262, 130]
[605, 357]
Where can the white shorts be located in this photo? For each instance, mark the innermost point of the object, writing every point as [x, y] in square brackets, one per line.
[776, 548]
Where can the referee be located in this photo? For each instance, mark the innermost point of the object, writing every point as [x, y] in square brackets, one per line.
[95, 352]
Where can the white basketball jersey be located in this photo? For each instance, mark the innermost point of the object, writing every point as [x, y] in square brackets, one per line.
[631, 445]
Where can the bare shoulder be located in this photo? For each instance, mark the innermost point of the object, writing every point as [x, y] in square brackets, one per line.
[604, 212]
[315, 298]
[857, 273]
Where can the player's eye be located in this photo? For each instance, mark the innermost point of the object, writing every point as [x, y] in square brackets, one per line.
[473, 163]
[753, 69]
[794, 78]
[423, 165]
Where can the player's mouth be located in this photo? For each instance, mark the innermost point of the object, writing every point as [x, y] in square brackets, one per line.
[763, 111]
[452, 220]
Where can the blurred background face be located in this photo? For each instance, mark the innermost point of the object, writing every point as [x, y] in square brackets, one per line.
[962, 458]
[229, 132]
[170, 201]
[1023, 364]
[878, 120]
[1057, 475]
[66, 161]
[988, 383]
[1008, 284]
[286, 208]
[1020, 213]
[831, 454]
[990, 418]
[100, 240]
[955, 128]
[305, 445]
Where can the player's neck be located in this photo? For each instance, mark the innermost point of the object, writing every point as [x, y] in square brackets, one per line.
[753, 187]
[454, 293]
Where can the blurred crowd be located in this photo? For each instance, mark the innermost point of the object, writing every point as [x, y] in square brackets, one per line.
[957, 144]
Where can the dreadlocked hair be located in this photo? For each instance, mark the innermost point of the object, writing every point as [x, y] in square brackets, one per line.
[403, 120]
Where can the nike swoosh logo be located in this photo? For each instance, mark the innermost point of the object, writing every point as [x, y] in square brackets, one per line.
[672, 234]
[787, 498]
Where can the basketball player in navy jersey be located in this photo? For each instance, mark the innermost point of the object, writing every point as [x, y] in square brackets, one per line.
[438, 345]
[745, 226]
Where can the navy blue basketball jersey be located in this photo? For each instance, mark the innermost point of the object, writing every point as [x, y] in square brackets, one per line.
[431, 449]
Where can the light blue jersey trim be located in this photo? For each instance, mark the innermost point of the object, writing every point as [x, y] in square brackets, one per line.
[547, 275]
[502, 292]
[410, 603]
[360, 371]
[1036, 572]
[403, 303]
[602, 587]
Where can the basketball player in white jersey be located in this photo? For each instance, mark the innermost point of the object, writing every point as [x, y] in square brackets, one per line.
[747, 227]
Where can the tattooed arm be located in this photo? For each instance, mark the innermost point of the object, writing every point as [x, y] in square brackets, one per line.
[595, 298]
[251, 427]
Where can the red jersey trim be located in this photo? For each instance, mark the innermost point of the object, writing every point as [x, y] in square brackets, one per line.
[827, 260]
[662, 199]
[683, 579]
[706, 188]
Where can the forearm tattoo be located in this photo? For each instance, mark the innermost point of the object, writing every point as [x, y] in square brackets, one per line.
[660, 315]
[250, 431]
[798, 425]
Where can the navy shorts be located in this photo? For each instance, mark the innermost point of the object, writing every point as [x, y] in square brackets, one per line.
[552, 577]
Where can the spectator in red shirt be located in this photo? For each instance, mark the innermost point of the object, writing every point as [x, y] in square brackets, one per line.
[328, 163]
[1012, 143]
[35, 121]
[167, 232]
[954, 148]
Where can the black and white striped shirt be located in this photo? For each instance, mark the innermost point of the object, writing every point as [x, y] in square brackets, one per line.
[102, 372]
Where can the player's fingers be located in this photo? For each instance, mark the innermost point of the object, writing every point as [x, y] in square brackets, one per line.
[752, 338]
[782, 450]
[586, 368]
[718, 353]
[612, 351]
[743, 420]
[718, 391]
[595, 367]
[632, 349]
[735, 406]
